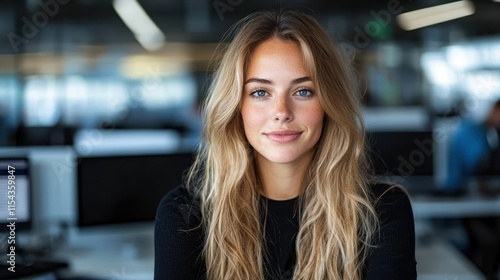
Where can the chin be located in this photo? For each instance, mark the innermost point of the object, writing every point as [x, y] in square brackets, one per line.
[281, 158]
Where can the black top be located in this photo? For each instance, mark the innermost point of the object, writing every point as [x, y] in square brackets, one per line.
[179, 237]
[281, 225]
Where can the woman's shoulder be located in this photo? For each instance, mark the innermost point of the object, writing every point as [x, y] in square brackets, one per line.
[393, 256]
[178, 203]
[390, 197]
[178, 237]
[387, 191]
[178, 195]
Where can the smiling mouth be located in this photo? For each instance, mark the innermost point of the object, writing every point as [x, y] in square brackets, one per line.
[283, 136]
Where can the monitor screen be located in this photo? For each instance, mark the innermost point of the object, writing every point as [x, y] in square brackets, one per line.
[402, 153]
[15, 191]
[126, 189]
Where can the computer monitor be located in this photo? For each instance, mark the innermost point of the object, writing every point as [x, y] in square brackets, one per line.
[126, 189]
[15, 191]
[402, 153]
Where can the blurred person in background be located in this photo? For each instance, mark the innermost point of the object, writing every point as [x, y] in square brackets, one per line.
[473, 153]
[280, 187]
[473, 162]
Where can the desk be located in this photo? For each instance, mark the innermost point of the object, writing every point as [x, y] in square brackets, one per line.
[436, 260]
[472, 205]
[426, 207]
[108, 264]
[111, 252]
[439, 260]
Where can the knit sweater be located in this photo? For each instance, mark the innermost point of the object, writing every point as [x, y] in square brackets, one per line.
[179, 237]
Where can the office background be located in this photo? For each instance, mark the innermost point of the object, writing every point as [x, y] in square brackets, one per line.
[99, 100]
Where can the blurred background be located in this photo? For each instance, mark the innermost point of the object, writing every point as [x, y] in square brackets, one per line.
[99, 114]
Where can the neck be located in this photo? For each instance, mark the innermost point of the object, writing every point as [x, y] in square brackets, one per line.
[282, 181]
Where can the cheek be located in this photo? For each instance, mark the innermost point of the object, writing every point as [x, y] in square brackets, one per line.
[251, 118]
[314, 117]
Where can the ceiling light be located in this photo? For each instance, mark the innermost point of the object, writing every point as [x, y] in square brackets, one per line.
[138, 21]
[436, 14]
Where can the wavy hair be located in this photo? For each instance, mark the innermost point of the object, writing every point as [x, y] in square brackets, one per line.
[337, 218]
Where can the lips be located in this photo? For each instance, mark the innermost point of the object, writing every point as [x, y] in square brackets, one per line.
[283, 136]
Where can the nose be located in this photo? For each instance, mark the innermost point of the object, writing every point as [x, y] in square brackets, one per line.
[282, 109]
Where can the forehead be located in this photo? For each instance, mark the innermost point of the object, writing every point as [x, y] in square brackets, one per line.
[275, 56]
[276, 45]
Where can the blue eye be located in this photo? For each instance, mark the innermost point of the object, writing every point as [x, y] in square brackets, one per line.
[304, 93]
[258, 94]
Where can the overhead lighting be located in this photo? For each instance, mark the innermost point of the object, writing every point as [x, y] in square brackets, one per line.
[436, 14]
[137, 20]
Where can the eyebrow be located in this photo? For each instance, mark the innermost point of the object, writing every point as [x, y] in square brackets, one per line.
[268, 82]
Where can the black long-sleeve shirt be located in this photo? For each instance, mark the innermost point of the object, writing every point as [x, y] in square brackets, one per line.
[179, 237]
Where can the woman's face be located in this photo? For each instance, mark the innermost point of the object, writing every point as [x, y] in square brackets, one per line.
[281, 111]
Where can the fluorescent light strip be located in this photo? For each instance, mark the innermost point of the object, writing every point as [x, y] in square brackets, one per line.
[138, 21]
[436, 14]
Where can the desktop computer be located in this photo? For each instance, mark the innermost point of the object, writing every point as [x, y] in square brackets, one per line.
[126, 189]
[116, 199]
[16, 218]
[15, 188]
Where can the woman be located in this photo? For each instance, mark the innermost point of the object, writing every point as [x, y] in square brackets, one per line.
[279, 188]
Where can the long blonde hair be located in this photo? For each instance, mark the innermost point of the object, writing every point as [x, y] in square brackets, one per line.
[337, 218]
